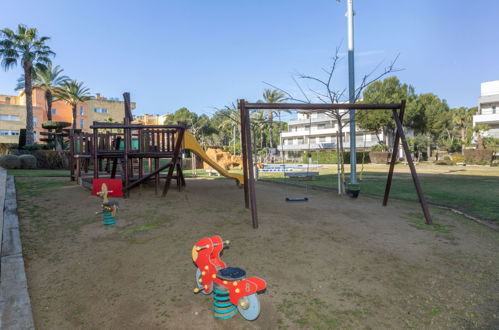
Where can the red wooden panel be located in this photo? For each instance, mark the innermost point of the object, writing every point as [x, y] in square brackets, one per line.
[114, 187]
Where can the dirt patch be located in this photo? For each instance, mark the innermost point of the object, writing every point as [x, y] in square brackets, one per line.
[329, 263]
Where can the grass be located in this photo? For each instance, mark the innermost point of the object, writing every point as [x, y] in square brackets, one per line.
[54, 173]
[474, 194]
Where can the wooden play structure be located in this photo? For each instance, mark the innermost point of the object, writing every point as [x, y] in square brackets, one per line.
[137, 149]
[140, 152]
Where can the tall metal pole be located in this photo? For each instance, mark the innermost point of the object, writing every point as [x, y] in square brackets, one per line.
[351, 93]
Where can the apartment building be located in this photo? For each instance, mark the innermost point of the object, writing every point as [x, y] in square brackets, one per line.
[318, 131]
[148, 119]
[13, 113]
[488, 107]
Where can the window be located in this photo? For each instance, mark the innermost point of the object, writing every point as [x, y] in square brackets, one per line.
[9, 117]
[322, 139]
[35, 121]
[82, 122]
[312, 140]
[321, 126]
[5, 132]
[300, 141]
[54, 111]
[100, 110]
[81, 110]
[494, 109]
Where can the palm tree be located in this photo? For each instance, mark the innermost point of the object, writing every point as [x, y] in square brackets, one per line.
[48, 79]
[72, 92]
[26, 47]
[272, 96]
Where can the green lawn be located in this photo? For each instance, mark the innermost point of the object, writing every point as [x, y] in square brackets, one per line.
[477, 195]
[57, 173]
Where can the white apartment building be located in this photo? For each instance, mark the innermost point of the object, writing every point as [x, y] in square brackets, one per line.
[320, 131]
[488, 107]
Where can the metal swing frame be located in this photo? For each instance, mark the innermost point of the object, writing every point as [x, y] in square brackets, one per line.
[397, 109]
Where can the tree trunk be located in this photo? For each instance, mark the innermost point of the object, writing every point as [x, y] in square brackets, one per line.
[271, 120]
[48, 97]
[463, 137]
[28, 89]
[428, 151]
[73, 106]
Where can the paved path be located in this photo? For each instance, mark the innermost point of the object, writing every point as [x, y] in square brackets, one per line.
[15, 304]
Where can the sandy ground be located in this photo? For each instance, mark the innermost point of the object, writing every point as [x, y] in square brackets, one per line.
[329, 263]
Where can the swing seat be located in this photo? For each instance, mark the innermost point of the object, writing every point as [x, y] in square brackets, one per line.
[299, 199]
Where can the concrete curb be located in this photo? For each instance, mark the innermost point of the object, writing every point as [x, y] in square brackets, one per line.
[15, 304]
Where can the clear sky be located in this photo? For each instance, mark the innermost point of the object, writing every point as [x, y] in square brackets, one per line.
[206, 54]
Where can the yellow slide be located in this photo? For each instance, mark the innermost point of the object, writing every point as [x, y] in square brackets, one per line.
[192, 144]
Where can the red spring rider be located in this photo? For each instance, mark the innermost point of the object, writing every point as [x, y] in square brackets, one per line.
[229, 284]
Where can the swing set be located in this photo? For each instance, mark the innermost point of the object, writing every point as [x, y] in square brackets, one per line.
[397, 109]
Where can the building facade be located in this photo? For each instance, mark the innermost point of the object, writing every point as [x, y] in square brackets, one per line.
[316, 131]
[488, 107]
[148, 119]
[13, 113]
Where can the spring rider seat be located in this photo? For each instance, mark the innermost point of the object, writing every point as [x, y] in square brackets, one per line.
[230, 287]
[109, 209]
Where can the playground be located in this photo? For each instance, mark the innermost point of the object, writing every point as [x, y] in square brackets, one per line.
[332, 262]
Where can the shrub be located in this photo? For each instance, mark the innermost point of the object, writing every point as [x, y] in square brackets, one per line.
[379, 157]
[479, 157]
[28, 161]
[48, 159]
[379, 147]
[5, 148]
[446, 157]
[444, 162]
[10, 162]
[331, 157]
[457, 158]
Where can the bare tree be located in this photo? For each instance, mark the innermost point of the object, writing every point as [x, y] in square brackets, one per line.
[327, 93]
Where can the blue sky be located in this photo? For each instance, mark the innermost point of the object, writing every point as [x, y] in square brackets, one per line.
[206, 54]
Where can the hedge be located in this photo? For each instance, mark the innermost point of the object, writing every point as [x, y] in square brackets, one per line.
[331, 157]
[478, 157]
[28, 161]
[48, 159]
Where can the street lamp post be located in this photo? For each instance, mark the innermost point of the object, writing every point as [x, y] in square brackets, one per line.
[351, 93]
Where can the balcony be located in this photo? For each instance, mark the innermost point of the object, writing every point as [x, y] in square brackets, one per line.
[360, 143]
[486, 119]
[305, 132]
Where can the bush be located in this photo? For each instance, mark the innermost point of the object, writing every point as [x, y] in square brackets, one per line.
[5, 148]
[444, 162]
[478, 157]
[28, 161]
[10, 162]
[331, 157]
[48, 159]
[457, 158]
[379, 157]
[379, 147]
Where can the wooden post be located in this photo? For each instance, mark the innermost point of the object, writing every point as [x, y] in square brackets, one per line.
[96, 159]
[242, 110]
[394, 156]
[251, 175]
[419, 190]
[126, 143]
[72, 155]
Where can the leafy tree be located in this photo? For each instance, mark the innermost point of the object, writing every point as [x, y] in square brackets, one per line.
[48, 79]
[390, 90]
[25, 46]
[200, 126]
[272, 96]
[73, 92]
